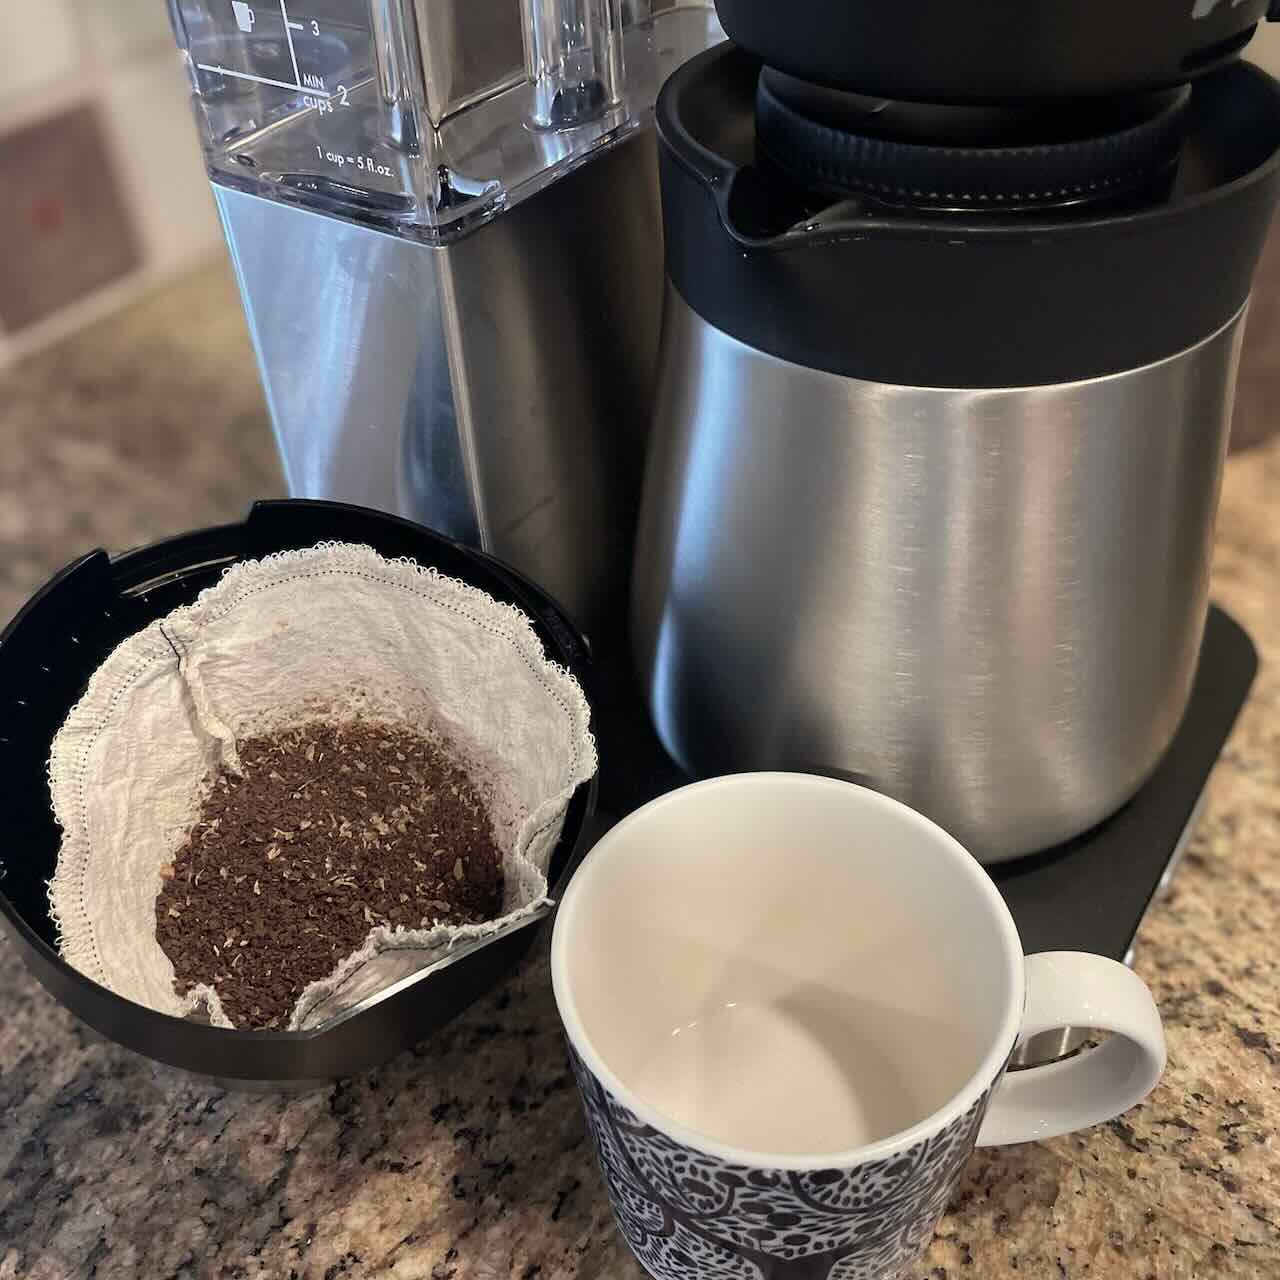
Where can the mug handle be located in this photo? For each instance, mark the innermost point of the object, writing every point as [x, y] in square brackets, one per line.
[1075, 989]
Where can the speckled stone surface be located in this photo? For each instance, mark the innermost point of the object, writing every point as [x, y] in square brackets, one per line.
[467, 1157]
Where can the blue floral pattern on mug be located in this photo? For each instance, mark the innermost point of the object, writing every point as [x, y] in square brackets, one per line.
[688, 1215]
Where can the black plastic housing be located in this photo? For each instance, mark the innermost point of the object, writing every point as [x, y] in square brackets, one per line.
[994, 50]
[961, 299]
[47, 654]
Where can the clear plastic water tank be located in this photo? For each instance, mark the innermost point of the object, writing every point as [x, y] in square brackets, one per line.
[423, 116]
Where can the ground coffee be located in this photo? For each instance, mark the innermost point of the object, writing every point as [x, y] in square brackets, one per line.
[330, 831]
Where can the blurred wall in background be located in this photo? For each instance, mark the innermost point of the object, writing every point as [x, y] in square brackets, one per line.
[1265, 47]
[102, 187]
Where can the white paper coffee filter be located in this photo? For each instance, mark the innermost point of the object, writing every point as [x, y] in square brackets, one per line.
[334, 632]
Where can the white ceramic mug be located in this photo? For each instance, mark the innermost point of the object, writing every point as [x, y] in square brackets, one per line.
[790, 1003]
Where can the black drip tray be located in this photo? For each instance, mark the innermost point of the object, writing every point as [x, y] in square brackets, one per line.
[47, 655]
[1089, 894]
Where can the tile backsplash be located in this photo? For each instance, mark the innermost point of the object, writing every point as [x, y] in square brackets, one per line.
[100, 167]
[69, 232]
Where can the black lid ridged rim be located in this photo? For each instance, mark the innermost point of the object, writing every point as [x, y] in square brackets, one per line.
[819, 155]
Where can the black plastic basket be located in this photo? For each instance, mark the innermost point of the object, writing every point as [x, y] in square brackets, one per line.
[47, 654]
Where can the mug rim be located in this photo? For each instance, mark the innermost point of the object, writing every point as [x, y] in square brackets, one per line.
[958, 1104]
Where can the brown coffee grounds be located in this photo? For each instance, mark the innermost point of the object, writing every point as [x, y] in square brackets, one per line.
[331, 831]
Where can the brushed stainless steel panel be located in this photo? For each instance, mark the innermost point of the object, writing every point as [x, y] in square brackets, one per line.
[497, 389]
[987, 603]
[553, 321]
[1052, 1046]
[346, 325]
[469, 49]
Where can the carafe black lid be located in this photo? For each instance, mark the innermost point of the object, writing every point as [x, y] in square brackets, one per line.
[961, 299]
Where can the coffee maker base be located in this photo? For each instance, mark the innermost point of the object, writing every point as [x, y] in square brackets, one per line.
[1089, 894]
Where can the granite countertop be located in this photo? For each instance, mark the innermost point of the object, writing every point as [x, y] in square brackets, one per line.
[467, 1157]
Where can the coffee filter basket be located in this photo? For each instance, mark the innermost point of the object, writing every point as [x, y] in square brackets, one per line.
[334, 632]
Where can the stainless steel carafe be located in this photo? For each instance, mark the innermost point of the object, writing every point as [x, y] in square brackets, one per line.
[931, 493]
[444, 221]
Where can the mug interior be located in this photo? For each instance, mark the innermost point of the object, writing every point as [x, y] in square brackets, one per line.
[786, 966]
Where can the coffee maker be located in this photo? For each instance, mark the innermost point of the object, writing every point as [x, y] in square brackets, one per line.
[953, 305]
[953, 312]
[443, 216]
